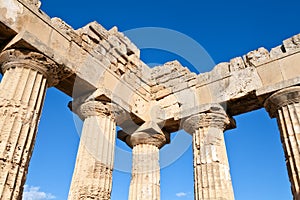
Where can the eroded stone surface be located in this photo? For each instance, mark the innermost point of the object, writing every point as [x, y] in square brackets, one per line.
[23, 89]
[211, 168]
[92, 177]
[145, 178]
[285, 106]
[104, 65]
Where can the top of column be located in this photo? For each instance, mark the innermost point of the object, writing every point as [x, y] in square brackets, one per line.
[148, 133]
[34, 60]
[282, 98]
[89, 108]
[214, 116]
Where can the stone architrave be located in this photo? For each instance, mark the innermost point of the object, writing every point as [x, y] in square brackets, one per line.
[26, 77]
[212, 178]
[145, 177]
[92, 177]
[284, 105]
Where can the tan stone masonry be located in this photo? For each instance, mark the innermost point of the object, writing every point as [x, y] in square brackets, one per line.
[285, 106]
[211, 168]
[111, 86]
[92, 177]
[23, 89]
[145, 178]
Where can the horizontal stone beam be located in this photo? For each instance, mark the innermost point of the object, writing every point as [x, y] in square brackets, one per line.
[93, 56]
[98, 58]
[240, 86]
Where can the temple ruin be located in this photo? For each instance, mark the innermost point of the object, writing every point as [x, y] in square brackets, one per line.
[110, 86]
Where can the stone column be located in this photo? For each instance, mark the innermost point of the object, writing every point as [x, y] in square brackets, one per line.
[211, 169]
[285, 106]
[26, 78]
[145, 178]
[92, 177]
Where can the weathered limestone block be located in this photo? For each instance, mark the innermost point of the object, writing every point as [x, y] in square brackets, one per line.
[66, 28]
[26, 78]
[285, 106]
[289, 46]
[277, 52]
[92, 177]
[163, 93]
[257, 57]
[281, 73]
[237, 64]
[292, 44]
[145, 142]
[219, 72]
[248, 80]
[211, 168]
[36, 3]
[167, 101]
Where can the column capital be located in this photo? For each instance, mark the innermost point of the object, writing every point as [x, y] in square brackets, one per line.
[213, 117]
[282, 98]
[148, 133]
[92, 108]
[29, 59]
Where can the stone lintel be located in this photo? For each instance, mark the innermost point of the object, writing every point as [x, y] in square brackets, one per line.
[278, 86]
[208, 107]
[61, 44]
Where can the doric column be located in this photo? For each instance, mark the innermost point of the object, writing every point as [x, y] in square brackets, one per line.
[92, 177]
[26, 78]
[211, 168]
[145, 177]
[285, 106]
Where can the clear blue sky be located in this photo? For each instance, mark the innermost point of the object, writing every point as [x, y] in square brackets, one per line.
[226, 29]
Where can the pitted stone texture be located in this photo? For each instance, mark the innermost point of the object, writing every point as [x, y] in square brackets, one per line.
[100, 57]
[118, 54]
[213, 116]
[292, 44]
[67, 29]
[171, 78]
[36, 3]
[22, 92]
[285, 106]
[96, 108]
[25, 58]
[92, 177]
[257, 57]
[145, 180]
[211, 168]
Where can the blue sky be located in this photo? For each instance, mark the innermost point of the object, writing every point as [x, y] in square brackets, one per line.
[225, 29]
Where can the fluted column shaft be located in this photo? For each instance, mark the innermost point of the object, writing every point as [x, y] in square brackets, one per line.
[145, 143]
[23, 89]
[285, 106]
[145, 181]
[92, 177]
[212, 179]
